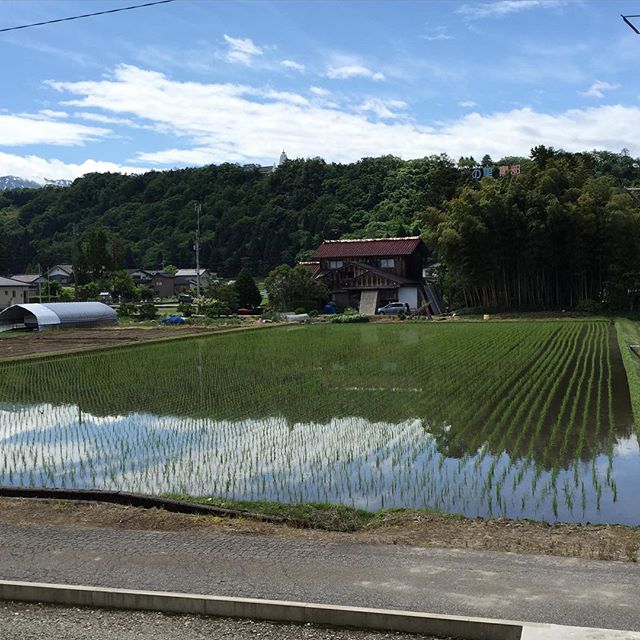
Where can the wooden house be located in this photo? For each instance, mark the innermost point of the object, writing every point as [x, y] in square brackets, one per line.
[167, 285]
[367, 274]
[63, 273]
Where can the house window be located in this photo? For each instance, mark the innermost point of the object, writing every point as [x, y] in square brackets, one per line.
[335, 264]
[387, 263]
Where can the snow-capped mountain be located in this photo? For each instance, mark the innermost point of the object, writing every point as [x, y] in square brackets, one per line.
[57, 183]
[14, 182]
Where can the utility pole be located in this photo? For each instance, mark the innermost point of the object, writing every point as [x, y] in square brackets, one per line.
[197, 248]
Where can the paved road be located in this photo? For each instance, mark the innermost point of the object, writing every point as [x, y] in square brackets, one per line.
[495, 585]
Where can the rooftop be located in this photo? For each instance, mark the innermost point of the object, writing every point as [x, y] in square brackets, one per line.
[64, 267]
[27, 278]
[368, 247]
[190, 273]
[10, 282]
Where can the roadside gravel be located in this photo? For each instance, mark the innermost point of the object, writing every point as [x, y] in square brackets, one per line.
[21, 621]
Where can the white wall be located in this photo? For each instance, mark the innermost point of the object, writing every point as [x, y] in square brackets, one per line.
[409, 295]
[13, 295]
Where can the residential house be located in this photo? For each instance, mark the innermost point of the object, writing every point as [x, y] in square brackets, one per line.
[188, 279]
[367, 274]
[12, 292]
[167, 285]
[33, 280]
[63, 273]
[163, 284]
[141, 276]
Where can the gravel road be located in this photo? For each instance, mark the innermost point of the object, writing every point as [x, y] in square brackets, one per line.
[565, 591]
[40, 622]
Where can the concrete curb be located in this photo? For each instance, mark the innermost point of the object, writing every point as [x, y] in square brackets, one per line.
[276, 610]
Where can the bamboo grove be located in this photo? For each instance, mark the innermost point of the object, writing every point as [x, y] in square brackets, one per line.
[556, 236]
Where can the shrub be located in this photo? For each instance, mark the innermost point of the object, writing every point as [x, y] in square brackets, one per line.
[302, 306]
[146, 294]
[216, 308]
[185, 309]
[346, 318]
[88, 291]
[589, 306]
[147, 311]
[126, 310]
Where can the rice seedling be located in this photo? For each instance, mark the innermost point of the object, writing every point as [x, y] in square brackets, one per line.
[518, 419]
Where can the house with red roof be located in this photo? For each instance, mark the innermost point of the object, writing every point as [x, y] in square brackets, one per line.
[368, 274]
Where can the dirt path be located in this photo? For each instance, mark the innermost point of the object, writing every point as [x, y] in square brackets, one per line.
[414, 528]
[71, 340]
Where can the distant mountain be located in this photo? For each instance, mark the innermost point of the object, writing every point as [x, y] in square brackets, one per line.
[13, 182]
[57, 183]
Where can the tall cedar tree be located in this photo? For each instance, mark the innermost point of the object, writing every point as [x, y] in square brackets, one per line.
[247, 290]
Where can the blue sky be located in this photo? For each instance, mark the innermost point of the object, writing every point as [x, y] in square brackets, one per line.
[201, 81]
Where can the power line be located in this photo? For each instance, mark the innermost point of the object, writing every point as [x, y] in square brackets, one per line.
[87, 15]
[633, 26]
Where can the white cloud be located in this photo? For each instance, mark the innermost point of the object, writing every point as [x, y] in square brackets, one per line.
[291, 64]
[101, 118]
[383, 108]
[191, 157]
[469, 104]
[37, 168]
[500, 8]
[280, 96]
[241, 50]
[437, 33]
[320, 91]
[23, 129]
[597, 89]
[353, 71]
[225, 122]
[48, 113]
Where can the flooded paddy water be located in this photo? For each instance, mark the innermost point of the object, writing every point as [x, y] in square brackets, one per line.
[517, 419]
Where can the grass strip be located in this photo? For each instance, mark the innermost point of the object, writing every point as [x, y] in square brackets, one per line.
[628, 333]
[313, 515]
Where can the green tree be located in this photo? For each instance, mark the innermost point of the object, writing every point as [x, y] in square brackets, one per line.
[89, 291]
[144, 293]
[171, 268]
[247, 290]
[98, 257]
[225, 293]
[215, 308]
[51, 289]
[122, 286]
[285, 285]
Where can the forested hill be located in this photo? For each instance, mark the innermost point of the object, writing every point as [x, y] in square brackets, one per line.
[565, 220]
[260, 220]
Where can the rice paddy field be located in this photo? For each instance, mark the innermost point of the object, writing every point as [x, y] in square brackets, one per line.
[518, 419]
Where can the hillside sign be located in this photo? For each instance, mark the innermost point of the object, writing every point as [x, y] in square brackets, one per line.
[487, 172]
